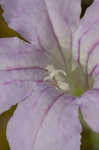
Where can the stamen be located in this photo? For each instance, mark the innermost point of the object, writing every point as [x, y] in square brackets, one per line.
[63, 85]
[57, 77]
[76, 81]
[56, 72]
[50, 68]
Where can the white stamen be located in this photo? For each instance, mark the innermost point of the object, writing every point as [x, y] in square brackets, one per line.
[58, 76]
[50, 68]
[47, 78]
[56, 72]
[62, 85]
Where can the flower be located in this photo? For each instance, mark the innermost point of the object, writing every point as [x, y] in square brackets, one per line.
[51, 76]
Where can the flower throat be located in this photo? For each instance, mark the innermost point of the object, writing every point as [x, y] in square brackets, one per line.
[73, 80]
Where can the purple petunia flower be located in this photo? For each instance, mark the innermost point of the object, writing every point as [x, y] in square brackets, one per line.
[52, 76]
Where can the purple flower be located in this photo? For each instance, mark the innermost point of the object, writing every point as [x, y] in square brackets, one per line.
[52, 76]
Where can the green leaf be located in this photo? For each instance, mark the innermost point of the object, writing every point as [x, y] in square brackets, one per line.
[5, 31]
[4, 118]
[84, 5]
[89, 139]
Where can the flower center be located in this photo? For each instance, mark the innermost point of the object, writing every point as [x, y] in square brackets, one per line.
[74, 80]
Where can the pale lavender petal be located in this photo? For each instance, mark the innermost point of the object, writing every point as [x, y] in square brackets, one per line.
[20, 60]
[47, 121]
[20, 65]
[47, 21]
[65, 17]
[13, 92]
[96, 81]
[90, 108]
[86, 39]
[15, 53]
[31, 20]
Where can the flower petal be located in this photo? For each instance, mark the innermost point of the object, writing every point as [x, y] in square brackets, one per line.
[44, 20]
[20, 60]
[90, 108]
[20, 65]
[32, 21]
[96, 82]
[46, 121]
[65, 17]
[15, 53]
[86, 39]
[13, 92]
